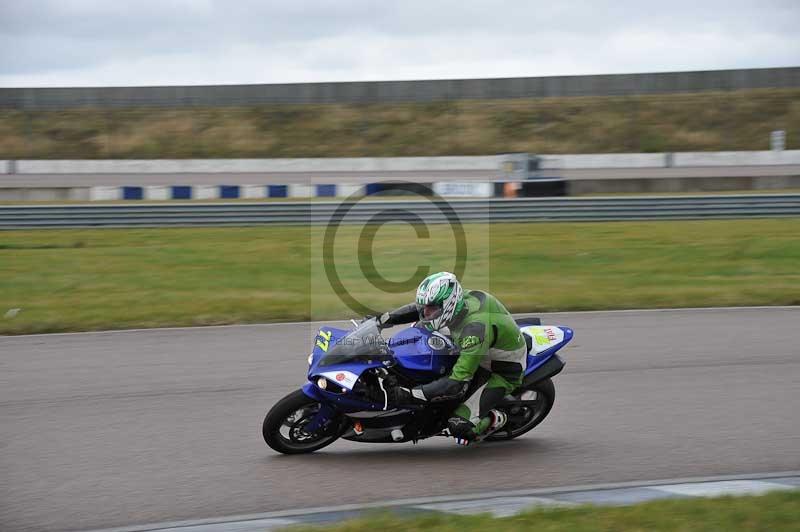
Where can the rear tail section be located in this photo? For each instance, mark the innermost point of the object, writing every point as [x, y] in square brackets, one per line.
[543, 342]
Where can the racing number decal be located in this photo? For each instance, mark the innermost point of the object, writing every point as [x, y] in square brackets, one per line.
[324, 340]
[544, 336]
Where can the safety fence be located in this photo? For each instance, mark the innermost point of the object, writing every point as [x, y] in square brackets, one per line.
[398, 91]
[371, 211]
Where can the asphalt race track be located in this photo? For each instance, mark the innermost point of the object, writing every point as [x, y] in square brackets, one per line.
[111, 429]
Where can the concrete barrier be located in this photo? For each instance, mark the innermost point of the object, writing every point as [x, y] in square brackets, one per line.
[383, 165]
[736, 158]
[157, 192]
[300, 191]
[212, 166]
[105, 193]
[45, 194]
[604, 160]
[461, 176]
[254, 191]
[205, 192]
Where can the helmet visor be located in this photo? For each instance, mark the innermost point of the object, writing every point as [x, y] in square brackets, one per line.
[429, 312]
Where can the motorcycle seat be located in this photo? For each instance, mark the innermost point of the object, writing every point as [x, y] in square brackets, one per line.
[528, 341]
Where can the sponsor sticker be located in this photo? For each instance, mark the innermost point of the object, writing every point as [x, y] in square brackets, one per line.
[345, 379]
[469, 341]
[544, 337]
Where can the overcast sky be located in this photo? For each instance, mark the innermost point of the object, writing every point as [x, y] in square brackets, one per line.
[181, 42]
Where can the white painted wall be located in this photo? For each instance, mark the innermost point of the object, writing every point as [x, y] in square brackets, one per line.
[253, 191]
[737, 158]
[345, 191]
[301, 191]
[105, 193]
[205, 192]
[332, 164]
[604, 160]
[399, 164]
[157, 192]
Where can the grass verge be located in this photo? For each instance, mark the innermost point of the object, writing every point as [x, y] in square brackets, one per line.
[76, 280]
[729, 120]
[773, 511]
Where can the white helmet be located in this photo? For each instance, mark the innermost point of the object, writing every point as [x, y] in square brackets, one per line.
[439, 298]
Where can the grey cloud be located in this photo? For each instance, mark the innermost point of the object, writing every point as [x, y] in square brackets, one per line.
[44, 37]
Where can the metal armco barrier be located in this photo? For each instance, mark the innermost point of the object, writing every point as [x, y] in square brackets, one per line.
[495, 210]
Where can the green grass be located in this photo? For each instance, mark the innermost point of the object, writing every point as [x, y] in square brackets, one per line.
[71, 280]
[709, 121]
[779, 511]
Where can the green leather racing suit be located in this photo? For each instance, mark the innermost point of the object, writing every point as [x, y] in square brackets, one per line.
[491, 361]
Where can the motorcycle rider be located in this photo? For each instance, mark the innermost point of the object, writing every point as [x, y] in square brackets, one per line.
[492, 356]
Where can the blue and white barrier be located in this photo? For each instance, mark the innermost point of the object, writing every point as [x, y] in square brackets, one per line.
[213, 192]
[445, 189]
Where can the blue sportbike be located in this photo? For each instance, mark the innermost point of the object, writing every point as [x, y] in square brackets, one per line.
[350, 371]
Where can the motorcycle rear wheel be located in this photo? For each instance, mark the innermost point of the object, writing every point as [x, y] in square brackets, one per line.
[283, 426]
[545, 397]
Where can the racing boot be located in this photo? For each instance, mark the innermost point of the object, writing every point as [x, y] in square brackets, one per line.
[496, 420]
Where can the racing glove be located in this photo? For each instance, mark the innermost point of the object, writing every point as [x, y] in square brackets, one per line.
[405, 314]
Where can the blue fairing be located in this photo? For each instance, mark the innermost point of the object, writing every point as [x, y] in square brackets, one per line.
[320, 342]
[534, 361]
[345, 403]
[411, 348]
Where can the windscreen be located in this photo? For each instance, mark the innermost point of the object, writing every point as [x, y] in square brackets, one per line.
[362, 342]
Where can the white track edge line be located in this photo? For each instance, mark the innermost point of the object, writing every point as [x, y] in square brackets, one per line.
[391, 503]
[280, 323]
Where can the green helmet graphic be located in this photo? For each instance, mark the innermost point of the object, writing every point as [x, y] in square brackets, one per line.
[439, 298]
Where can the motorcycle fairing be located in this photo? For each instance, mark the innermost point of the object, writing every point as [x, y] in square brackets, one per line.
[326, 338]
[417, 349]
[546, 340]
[345, 403]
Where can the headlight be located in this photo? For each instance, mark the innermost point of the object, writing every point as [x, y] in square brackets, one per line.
[310, 358]
[322, 382]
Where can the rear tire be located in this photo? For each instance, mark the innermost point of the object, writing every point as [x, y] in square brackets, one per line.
[283, 426]
[546, 396]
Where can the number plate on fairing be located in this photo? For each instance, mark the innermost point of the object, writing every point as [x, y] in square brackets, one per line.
[544, 337]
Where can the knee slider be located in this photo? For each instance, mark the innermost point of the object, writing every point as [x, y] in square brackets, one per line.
[461, 428]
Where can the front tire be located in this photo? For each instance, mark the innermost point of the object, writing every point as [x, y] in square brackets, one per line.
[284, 423]
[527, 417]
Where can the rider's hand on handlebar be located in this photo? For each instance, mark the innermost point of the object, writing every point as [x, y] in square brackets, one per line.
[378, 319]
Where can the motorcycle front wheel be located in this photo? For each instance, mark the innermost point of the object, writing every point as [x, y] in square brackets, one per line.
[284, 425]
